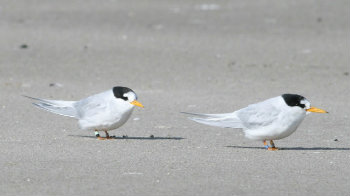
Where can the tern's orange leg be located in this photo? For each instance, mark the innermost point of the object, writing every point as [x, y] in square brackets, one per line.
[273, 148]
[102, 138]
[107, 135]
[272, 144]
[98, 135]
[265, 144]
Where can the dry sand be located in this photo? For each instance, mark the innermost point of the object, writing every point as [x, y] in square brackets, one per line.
[194, 56]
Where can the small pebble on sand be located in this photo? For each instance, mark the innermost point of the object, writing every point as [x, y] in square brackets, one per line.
[24, 46]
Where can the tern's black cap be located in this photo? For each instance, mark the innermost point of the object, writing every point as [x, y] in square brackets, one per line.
[293, 100]
[119, 92]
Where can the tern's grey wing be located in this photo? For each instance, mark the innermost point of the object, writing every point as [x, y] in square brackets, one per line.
[92, 106]
[259, 115]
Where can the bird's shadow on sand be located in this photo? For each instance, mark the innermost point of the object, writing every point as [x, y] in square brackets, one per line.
[133, 138]
[291, 148]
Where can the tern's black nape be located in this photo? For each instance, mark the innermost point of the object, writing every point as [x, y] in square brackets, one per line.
[293, 100]
[119, 92]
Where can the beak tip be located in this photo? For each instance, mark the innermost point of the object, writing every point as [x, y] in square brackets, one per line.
[316, 110]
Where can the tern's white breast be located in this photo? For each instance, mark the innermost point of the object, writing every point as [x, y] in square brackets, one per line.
[104, 113]
[287, 121]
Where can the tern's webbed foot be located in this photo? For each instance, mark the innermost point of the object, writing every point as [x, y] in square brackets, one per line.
[106, 138]
[103, 138]
[272, 148]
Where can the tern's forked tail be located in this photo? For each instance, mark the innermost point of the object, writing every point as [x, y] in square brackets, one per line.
[227, 120]
[64, 108]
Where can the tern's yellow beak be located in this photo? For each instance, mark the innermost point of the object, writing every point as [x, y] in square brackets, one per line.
[314, 109]
[137, 103]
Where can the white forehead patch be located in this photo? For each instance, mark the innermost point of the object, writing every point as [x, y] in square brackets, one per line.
[131, 96]
[306, 103]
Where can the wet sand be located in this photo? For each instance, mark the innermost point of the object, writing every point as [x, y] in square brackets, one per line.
[193, 56]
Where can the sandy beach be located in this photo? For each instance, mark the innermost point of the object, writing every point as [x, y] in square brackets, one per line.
[178, 56]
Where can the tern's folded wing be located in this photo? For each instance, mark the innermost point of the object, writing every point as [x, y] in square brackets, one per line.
[258, 115]
[92, 106]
